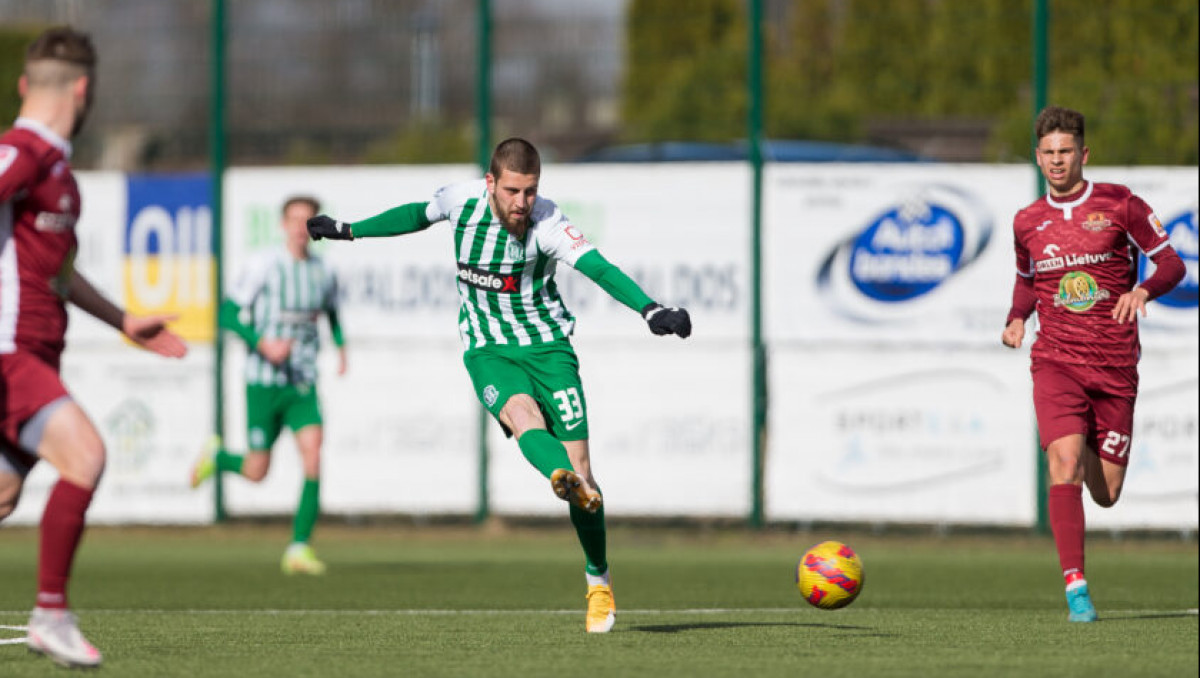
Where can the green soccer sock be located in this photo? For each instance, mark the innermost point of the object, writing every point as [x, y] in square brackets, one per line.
[544, 451]
[230, 462]
[592, 537]
[306, 513]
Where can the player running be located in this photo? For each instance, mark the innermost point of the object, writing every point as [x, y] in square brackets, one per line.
[275, 307]
[516, 328]
[39, 207]
[1077, 259]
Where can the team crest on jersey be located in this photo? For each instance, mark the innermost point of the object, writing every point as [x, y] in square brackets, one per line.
[1096, 222]
[1077, 292]
[490, 393]
[514, 250]
[257, 438]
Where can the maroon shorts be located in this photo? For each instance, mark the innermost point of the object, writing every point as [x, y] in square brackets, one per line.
[1095, 401]
[27, 384]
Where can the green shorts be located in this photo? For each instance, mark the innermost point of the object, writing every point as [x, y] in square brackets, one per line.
[268, 408]
[548, 372]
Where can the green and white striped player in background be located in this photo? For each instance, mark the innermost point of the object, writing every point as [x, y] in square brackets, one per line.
[516, 328]
[275, 305]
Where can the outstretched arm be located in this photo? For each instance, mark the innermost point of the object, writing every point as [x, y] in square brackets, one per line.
[661, 319]
[150, 332]
[408, 218]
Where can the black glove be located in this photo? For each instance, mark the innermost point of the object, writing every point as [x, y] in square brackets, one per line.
[667, 320]
[322, 226]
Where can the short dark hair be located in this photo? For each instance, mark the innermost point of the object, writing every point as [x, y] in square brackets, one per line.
[62, 43]
[306, 200]
[515, 155]
[1058, 119]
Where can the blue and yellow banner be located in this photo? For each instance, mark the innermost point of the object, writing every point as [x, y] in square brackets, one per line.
[168, 262]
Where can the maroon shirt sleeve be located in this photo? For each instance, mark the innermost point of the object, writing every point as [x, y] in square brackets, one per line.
[1147, 233]
[17, 170]
[1024, 298]
[1170, 270]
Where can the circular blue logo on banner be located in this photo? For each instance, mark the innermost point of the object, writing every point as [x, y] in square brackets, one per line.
[914, 246]
[906, 252]
[1185, 239]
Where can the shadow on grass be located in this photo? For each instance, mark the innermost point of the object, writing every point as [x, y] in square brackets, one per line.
[702, 626]
[1141, 617]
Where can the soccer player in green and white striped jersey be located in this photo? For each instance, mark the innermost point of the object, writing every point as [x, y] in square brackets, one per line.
[516, 328]
[274, 307]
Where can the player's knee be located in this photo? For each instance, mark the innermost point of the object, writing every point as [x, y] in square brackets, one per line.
[86, 466]
[521, 413]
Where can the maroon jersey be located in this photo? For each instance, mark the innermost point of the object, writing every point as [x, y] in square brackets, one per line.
[39, 205]
[1081, 252]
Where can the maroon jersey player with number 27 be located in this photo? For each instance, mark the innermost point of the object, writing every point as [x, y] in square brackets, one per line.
[1077, 257]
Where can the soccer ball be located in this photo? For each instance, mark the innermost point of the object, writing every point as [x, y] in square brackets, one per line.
[829, 575]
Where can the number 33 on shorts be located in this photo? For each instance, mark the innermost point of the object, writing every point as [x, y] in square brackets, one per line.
[1115, 444]
[570, 408]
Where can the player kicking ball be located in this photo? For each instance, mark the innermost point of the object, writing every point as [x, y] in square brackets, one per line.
[1077, 257]
[516, 328]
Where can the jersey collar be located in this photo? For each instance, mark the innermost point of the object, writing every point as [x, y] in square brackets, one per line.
[1068, 205]
[39, 128]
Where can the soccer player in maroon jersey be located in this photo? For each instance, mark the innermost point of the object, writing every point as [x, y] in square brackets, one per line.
[1077, 257]
[39, 206]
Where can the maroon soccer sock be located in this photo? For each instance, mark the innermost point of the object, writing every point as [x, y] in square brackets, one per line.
[1066, 522]
[62, 527]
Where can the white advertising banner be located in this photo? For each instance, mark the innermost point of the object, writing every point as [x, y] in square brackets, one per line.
[890, 254]
[1162, 484]
[403, 415]
[885, 290]
[911, 435]
[408, 413]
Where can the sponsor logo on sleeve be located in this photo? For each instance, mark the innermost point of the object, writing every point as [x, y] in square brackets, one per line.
[1186, 240]
[577, 238]
[1156, 224]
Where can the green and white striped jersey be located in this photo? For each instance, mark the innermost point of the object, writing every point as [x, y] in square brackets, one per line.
[284, 297]
[506, 284]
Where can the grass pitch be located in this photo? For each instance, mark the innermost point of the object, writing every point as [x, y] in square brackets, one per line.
[462, 601]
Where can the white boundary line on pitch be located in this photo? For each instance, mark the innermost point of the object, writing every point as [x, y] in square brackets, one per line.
[13, 641]
[448, 613]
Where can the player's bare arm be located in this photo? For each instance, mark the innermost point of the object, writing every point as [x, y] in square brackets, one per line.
[150, 331]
